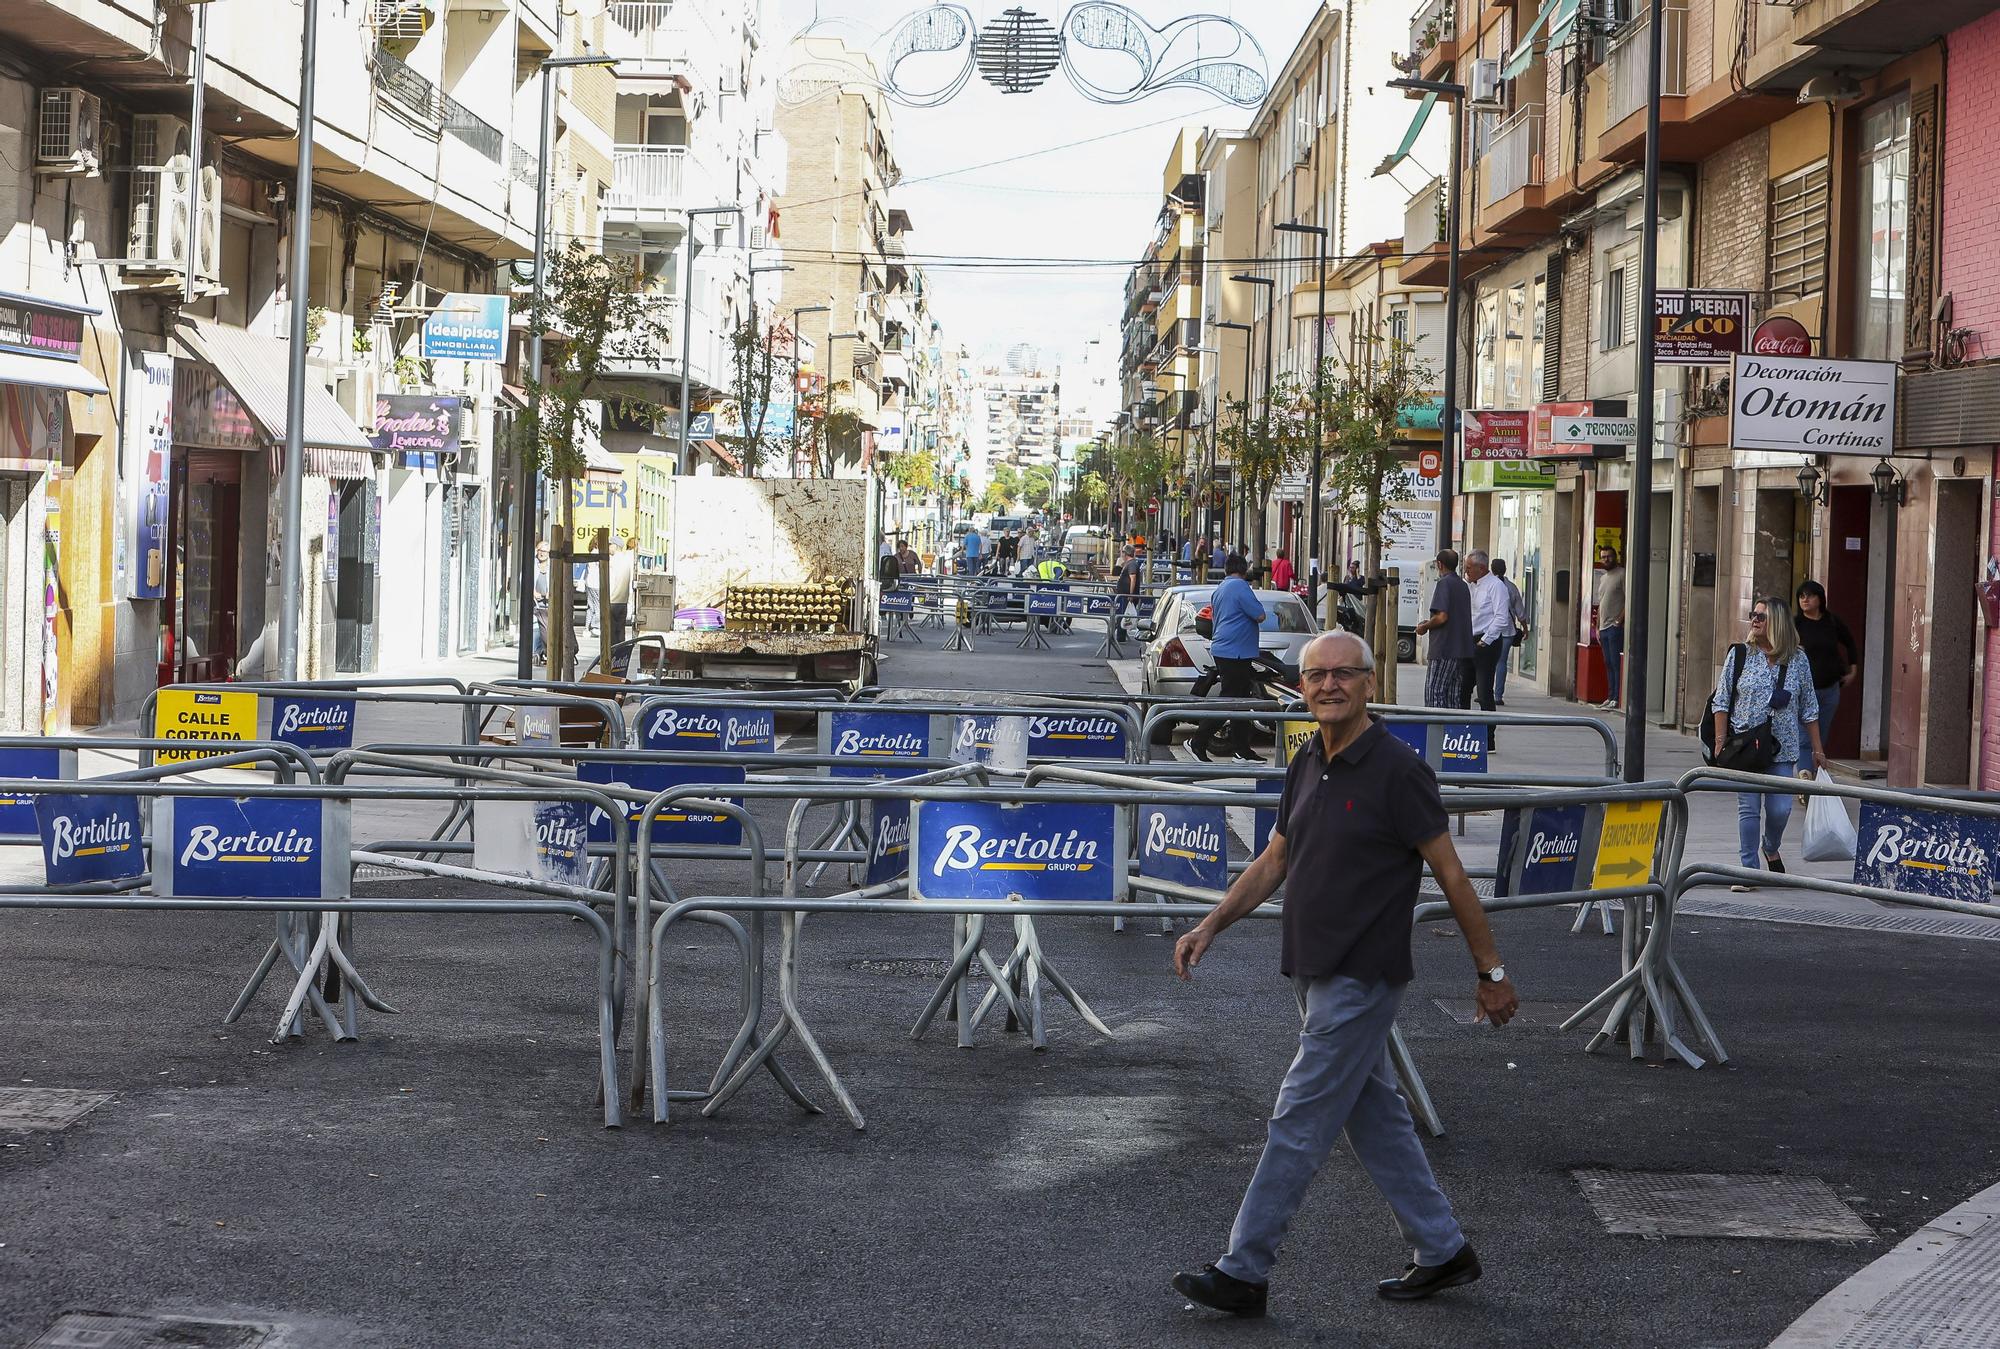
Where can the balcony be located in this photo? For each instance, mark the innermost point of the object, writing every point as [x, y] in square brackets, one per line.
[654, 181]
[660, 37]
[1626, 78]
[1510, 156]
[1434, 37]
[409, 93]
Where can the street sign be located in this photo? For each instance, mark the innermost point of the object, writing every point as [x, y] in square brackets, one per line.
[889, 841]
[1297, 734]
[675, 823]
[1541, 850]
[195, 714]
[1596, 430]
[89, 838]
[1081, 736]
[750, 731]
[17, 813]
[1625, 845]
[313, 723]
[539, 840]
[871, 738]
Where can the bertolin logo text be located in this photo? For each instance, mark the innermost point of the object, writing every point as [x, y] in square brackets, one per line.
[967, 848]
[1464, 744]
[1194, 842]
[696, 725]
[89, 838]
[1895, 846]
[974, 733]
[1072, 728]
[892, 836]
[558, 834]
[206, 843]
[1545, 847]
[905, 744]
[745, 732]
[300, 719]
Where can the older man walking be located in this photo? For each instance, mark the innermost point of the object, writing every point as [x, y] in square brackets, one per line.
[1448, 683]
[1359, 819]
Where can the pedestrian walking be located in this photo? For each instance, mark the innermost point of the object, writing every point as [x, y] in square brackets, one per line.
[1281, 572]
[1830, 650]
[1359, 819]
[1765, 698]
[1611, 622]
[908, 560]
[973, 546]
[624, 567]
[541, 600]
[1005, 550]
[1491, 621]
[1448, 682]
[1237, 618]
[887, 570]
[1517, 629]
[1131, 579]
[1187, 552]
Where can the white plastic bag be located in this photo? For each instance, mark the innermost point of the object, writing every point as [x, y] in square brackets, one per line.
[1829, 833]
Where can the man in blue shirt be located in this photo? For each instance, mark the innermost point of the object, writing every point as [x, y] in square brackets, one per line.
[1237, 618]
[972, 549]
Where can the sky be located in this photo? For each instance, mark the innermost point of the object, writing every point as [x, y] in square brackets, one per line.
[1097, 200]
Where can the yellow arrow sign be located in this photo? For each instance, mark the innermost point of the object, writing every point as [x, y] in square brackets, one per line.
[1626, 844]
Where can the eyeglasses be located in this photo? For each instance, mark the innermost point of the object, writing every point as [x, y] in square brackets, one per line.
[1343, 674]
[1757, 618]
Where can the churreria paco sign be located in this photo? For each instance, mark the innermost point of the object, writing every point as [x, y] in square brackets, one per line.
[992, 850]
[1802, 405]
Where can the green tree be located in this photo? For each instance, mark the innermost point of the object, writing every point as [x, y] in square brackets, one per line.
[828, 432]
[915, 472]
[753, 371]
[589, 300]
[1092, 493]
[1038, 487]
[1263, 449]
[1367, 476]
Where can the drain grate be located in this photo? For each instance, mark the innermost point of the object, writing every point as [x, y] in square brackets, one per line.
[1948, 1306]
[46, 1108]
[1917, 924]
[1667, 1204]
[908, 967]
[125, 1330]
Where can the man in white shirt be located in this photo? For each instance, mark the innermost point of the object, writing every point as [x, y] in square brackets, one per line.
[1492, 620]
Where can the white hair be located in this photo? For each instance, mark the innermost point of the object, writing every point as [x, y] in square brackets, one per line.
[1367, 661]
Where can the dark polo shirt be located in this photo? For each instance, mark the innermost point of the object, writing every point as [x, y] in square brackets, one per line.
[1352, 827]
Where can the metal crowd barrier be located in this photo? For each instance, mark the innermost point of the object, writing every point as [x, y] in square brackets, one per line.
[309, 956]
[1162, 718]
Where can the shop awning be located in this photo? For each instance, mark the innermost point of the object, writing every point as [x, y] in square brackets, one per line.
[722, 452]
[1410, 136]
[1559, 16]
[347, 465]
[254, 368]
[43, 372]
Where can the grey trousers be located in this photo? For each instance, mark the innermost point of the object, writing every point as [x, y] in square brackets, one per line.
[1341, 1080]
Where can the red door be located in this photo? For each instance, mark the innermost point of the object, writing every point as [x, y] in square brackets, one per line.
[1849, 514]
[205, 520]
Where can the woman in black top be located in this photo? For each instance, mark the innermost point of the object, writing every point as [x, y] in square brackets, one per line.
[1829, 646]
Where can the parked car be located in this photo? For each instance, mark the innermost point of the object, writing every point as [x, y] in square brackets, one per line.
[1176, 652]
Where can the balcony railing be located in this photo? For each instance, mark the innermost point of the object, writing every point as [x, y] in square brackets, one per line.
[470, 129]
[653, 348]
[1627, 61]
[524, 166]
[1423, 224]
[403, 87]
[1510, 159]
[1433, 23]
[648, 175]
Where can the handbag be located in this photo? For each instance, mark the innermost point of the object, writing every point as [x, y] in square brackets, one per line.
[1752, 750]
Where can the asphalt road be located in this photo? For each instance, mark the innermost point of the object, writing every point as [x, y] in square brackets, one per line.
[445, 1180]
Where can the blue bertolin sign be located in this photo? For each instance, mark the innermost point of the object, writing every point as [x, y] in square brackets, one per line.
[889, 841]
[467, 328]
[1266, 820]
[89, 838]
[312, 723]
[898, 602]
[250, 847]
[1082, 735]
[1542, 851]
[1926, 852]
[17, 811]
[675, 824]
[751, 730]
[874, 739]
[1448, 747]
[989, 850]
[1087, 606]
[1188, 845]
[1046, 599]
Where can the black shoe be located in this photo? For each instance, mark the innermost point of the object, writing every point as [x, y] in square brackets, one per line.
[1212, 1288]
[1773, 862]
[1420, 1281]
[1199, 750]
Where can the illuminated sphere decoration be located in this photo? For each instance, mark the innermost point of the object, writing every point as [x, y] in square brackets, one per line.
[1018, 51]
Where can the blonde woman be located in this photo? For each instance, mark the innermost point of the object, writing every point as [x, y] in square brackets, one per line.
[1762, 704]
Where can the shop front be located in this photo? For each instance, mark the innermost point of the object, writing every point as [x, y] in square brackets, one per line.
[1516, 511]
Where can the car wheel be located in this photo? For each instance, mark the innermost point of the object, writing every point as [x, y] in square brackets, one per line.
[1406, 648]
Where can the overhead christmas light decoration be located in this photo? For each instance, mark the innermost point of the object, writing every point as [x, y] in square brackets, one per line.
[1018, 51]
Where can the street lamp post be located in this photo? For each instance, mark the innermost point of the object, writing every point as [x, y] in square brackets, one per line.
[291, 580]
[1448, 414]
[797, 404]
[1249, 347]
[1319, 407]
[1639, 552]
[524, 655]
[687, 323]
[831, 338]
[1270, 286]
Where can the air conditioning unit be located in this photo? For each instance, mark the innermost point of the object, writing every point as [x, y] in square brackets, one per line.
[404, 19]
[162, 198]
[1484, 88]
[471, 425]
[759, 237]
[354, 389]
[730, 81]
[1304, 154]
[66, 139]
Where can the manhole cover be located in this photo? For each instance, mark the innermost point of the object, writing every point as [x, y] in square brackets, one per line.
[46, 1107]
[1545, 1015]
[1666, 1204]
[909, 967]
[121, 1330]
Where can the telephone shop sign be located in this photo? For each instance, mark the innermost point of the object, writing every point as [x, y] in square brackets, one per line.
[219, 847]
[1927, 852]
[313, 723]
[751, 730]
[675, 823]
[89, 838]
[989, 850]
[17, 809]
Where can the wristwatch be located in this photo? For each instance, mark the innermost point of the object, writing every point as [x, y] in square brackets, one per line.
[1496, 975]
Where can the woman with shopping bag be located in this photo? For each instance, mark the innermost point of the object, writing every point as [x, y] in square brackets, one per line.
[1762, 704]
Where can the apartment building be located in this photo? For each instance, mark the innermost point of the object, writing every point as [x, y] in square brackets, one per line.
[1016, 415]
[144, 260]
[1806, 183]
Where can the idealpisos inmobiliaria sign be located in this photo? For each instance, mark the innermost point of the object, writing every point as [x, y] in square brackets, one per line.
[1803, 405]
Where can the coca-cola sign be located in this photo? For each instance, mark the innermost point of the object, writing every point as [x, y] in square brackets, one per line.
[1780, 335]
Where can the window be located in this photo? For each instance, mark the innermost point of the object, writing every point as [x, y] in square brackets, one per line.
[1882, 205]
[1538, 338]
[1797, 262]
[1615, 282]
[1514, 348]
[1485, 352]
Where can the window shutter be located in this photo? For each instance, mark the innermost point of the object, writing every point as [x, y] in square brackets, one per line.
[1629, 329]
[1552, 329]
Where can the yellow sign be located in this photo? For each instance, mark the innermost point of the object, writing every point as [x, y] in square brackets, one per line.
[197, 714]
[601, 502]
[1625, 848]
[1296, 734]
